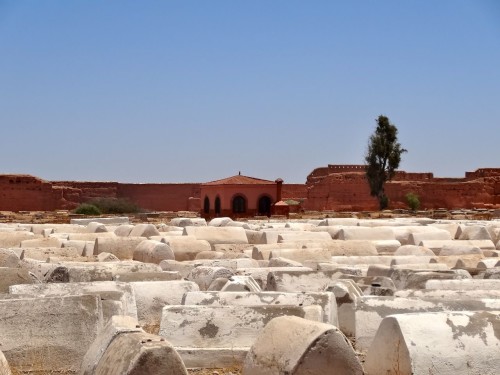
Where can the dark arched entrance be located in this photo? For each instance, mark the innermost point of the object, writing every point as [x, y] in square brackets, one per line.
[217, 206]
[206, 205]
[239, 205]
[264, 206]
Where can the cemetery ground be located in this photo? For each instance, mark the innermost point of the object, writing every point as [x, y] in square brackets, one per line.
[177, 294]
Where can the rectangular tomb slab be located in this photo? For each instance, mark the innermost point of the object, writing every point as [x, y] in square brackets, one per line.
[13, 276]
[217, 235]
[326, 300]
[103, 220]
[49, 334]
[106, 290]
[227, 332]
[465, 284]
[219, 326]
[371, 310]
[152, 296]
[14, 239]
[300, 281]
[260, 274]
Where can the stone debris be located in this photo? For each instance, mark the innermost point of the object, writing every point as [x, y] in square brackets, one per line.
[271, 296]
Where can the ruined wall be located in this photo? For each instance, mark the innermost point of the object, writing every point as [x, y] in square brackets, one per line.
[479, 193]
[340, 192]
[340, 188]
[76, 192]
[483, 172]
[22, 192]
[411, 176]
[350, 191]
[90, 190]
[27, 193]
[155, 197]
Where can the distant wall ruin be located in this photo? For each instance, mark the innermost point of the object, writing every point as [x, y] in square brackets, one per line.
[25, 193]
[345, 188]
[334, 187]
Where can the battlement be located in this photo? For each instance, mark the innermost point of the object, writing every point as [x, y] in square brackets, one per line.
[413, 176]
[340, 168]
[483, 172]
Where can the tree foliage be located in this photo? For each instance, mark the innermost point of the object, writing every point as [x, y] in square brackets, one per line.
[413, 201]
[87, 209]
[101, 206]
[115, 205]
[382, 158]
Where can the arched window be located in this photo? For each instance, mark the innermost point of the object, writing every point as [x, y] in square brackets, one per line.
[239, 205]
[217, 206]
[264, 205]
[206, 205]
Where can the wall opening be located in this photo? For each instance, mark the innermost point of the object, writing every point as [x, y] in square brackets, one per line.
[217, 206]
[239, 205]
[206, 205]
[264, 205]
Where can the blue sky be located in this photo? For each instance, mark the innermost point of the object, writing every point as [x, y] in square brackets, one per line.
[193, 91]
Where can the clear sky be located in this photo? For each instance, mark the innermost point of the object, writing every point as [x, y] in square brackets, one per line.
[193, 91]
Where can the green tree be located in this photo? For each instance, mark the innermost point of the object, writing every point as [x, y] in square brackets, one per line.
[87, 209]
[413, 201]
[382, 158]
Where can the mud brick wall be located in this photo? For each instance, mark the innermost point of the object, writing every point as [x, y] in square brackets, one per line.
[340, 188]
[27, 193]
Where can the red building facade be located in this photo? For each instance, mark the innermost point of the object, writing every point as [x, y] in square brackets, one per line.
[239, 196]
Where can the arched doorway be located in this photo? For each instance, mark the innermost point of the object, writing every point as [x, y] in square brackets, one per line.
[264, 205]
[239, 205]
[217, 206]
[206, 205]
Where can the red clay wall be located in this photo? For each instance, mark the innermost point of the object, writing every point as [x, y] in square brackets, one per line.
[162, 197]
[479, 193]
[293, 191]
[340, 192]
[156, 197]
[27, 193]
[252, 193]
[327, 188]
[483, 172]
[76, 192]
[349, 190]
